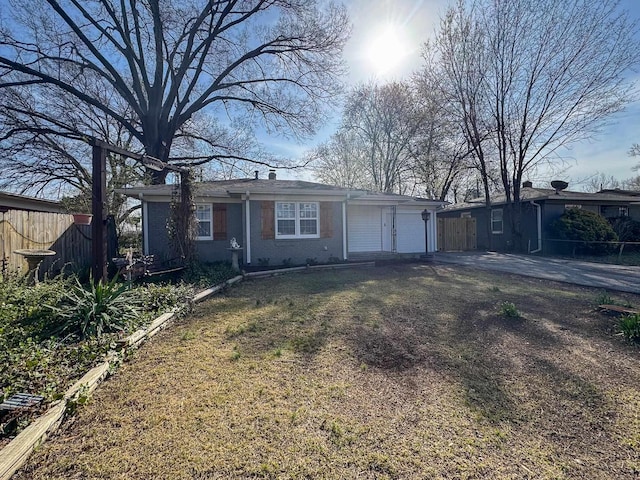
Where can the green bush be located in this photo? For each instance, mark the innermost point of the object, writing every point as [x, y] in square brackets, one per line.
[158, 298]
[630, 327]
[508, 310]
[95, 309]
[628, 230]
[586, 229]
[208, 274]
[130, 240]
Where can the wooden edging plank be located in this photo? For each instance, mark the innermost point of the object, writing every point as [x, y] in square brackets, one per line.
[16, 452]
[619, 309]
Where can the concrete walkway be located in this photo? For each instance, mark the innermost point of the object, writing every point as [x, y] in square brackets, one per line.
[610, 277]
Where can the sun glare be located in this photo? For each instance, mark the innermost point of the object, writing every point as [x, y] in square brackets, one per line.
[387, 49]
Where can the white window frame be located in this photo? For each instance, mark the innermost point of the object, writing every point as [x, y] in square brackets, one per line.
[297, 221]
[210, 205]
[494, 221]
[623, 211]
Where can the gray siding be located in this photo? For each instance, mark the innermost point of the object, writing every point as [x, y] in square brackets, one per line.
[551, 210]
[507, 241]
[297, 250]
[207, 250]
[216, 250]
[157, 214]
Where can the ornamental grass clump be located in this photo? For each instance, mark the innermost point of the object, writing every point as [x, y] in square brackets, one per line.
[509, 310]
[96, 309]
[630, 327]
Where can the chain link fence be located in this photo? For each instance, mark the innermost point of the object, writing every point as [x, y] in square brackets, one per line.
[619, 253]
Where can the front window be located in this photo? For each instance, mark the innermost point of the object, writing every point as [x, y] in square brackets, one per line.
[623, 211]
[496, 220]
[204, 217]
[297, 220]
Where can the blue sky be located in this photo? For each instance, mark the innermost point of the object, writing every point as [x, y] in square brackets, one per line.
[605, 153]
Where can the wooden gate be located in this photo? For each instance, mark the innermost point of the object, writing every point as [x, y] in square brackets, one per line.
[457, 234]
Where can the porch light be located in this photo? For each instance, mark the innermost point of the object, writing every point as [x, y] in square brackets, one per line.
[426, 214]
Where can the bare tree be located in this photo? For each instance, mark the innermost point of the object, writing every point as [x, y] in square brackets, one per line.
[443, 159]
[455, 64]
[529, 76]
[341, 161]
[272, 62]
[374, 146]
[601, 181]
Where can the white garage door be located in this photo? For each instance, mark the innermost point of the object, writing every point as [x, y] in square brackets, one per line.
[364, 229]
[409, 231]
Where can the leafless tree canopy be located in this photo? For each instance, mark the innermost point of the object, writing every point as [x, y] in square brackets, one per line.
[153, 66]
[524, 77]
[528, 76]
[393, 137]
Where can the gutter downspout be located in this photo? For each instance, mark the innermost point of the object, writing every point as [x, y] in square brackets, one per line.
[539, 223]
[344, 228]
[145, 225]
[247, 217]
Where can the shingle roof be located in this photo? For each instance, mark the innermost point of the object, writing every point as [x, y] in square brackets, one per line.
[225, 187]
[529, 194]
[231, 188]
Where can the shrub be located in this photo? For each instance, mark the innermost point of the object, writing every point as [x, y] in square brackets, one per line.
[158, 298]
[628, 230]
[584, 226]
[509, 310]
[208, 274]
[604, 298]
[96, 309]
[130, 239]
[630, 327]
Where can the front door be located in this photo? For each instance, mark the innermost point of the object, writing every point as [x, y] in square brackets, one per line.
[388, 229]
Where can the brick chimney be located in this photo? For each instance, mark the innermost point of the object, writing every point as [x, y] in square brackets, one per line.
[272, 174]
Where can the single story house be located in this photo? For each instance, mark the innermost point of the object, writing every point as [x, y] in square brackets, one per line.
[291, 221]
[538, 208]
[12, 201]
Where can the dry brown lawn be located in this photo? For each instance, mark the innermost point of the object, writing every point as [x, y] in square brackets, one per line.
[403, 372]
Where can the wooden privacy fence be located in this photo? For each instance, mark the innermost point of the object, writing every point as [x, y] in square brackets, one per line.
[21, 229]
[457, 234]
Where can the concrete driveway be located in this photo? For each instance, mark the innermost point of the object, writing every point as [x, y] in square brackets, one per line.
[599, 275]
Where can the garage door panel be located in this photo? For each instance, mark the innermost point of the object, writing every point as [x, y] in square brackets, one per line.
[364, 229]
[409, 232]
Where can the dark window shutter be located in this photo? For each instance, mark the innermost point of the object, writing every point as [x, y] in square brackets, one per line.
[326, 219]
[268, 220]
[219, 221]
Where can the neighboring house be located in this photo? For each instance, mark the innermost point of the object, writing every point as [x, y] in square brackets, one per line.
[538, 208]
[12, 201]
[36, 224]
[290, 221]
